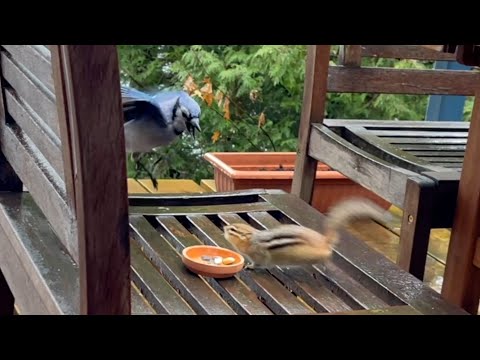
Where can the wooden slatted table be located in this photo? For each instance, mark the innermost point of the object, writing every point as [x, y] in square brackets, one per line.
[357, 279]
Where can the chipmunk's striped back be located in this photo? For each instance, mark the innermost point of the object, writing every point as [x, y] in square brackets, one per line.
[285, 235]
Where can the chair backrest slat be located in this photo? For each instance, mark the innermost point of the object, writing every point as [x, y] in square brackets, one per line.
[61, 131]
[402, 81]
[414, 52]
[30, 136]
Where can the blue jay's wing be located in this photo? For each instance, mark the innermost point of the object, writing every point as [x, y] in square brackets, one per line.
[137, 104]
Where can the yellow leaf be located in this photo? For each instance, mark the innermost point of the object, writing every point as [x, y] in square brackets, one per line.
[261, 120]
[216, 135]
[226, 108]
[207, 92]
[197, 93]
[189, 85]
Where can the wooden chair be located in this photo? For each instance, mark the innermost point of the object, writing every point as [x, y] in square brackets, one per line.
[65, 244]
[74, 243]
[414, 165]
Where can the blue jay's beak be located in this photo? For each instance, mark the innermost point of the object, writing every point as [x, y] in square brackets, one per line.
[192, 125]
[196, 123]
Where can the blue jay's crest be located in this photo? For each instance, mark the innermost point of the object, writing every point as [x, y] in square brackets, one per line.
[179, 104]
[153, 120]
[167, 98]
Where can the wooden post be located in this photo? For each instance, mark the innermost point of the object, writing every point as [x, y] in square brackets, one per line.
[350, 55]
[90, 88]
[461, 284]
[314, 102]
[62, 102]
[416, 225]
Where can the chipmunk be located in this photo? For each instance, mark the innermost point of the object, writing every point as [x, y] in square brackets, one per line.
[289, 245]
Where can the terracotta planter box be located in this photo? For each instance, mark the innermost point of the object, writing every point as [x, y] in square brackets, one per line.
[251, 170]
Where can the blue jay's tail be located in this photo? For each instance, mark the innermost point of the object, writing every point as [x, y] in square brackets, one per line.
[130, 95]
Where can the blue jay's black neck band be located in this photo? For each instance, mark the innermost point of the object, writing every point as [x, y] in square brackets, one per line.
[177, 132]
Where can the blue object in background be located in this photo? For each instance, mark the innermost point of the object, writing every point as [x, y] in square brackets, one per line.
[446, 107]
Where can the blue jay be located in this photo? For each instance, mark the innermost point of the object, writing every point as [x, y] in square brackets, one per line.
[156, 120]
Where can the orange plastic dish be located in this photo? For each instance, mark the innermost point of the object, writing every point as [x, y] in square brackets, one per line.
[192, 259]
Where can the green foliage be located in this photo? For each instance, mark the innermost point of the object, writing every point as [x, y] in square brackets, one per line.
[251, 97]
[467, 110]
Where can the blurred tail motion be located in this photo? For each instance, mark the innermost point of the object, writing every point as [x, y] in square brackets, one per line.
[287, 245]
[352, 210]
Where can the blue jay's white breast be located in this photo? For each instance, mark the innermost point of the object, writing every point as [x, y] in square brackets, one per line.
[144, 135]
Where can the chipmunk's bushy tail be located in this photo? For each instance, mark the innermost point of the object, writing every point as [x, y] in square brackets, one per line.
[350, 210]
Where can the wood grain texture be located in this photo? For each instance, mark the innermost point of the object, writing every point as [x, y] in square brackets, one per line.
[425, 141]
[394, 310]
[393, 124]
[196, 292]
[26, 295]
[419, 134]
[162, 296]
[33, 58]
[381, 148]
[366, 266]
[61, 81]
[140, 306]
[434, 47]
[205, 210]
[371, 172]
[42, 182]
[316, 290]
[314, 102]
[438, 153]
[361, 295]
[39, 98]
[46, 142]
[37, 255]
[416, 52]
[201, 199]
[9, 180]
[432, 147]
[350, 55]
[236, 294]
[95, 125]
[416, 226]
[402, 81]
[276, 296]
[461, 285]
[357, 278]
